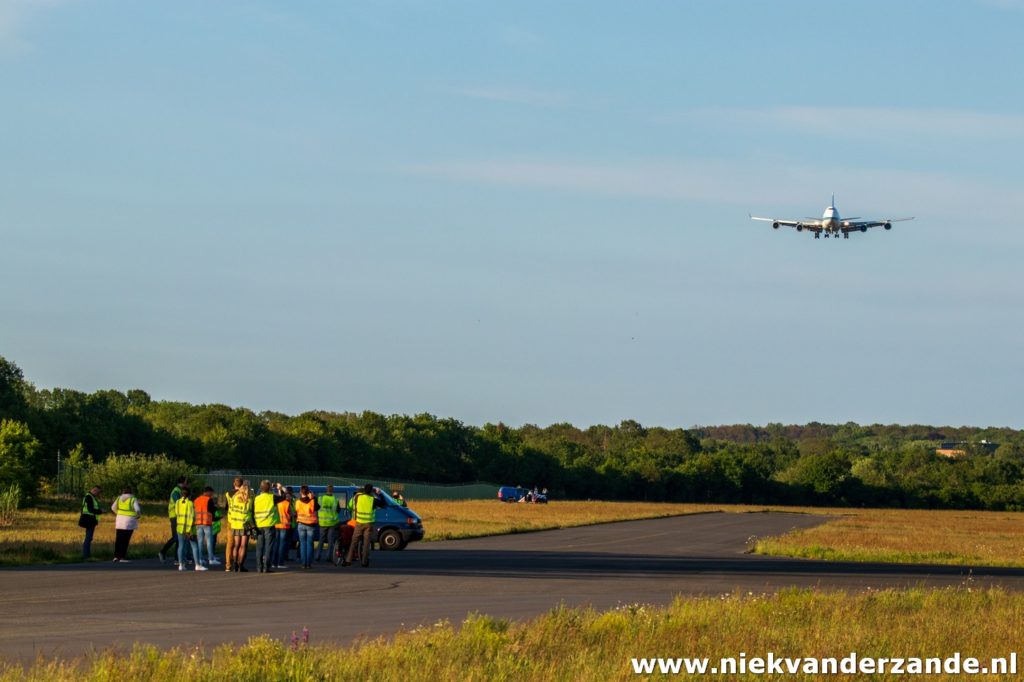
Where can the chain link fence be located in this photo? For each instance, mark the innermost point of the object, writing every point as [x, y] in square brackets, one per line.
[71, 480]
[412, 490]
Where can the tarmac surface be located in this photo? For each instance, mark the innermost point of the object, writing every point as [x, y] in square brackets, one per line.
[68, 610]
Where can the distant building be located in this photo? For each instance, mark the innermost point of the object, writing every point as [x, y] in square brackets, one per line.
[958, 448]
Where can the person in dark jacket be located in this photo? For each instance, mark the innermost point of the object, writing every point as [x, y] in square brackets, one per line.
[88, 520]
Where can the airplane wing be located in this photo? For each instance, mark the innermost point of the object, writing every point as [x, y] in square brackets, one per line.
[863, 225]
[810, 224]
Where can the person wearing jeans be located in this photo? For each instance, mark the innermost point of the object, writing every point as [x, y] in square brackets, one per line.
[185, 515]
[206, 511]
[171, 502]
[306, 508]
[286, 520]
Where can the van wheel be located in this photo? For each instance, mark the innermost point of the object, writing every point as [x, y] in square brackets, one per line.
[391, 539]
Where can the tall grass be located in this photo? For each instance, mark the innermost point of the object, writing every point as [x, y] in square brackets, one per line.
[574, 644]
[10, 499]
[50, 534]
[909, 536]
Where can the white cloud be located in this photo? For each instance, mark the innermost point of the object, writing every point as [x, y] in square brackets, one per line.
[873, 122]
[14, 14]
[517, 95]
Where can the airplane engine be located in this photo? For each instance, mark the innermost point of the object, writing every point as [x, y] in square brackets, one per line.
[888, 226]
[799, 227]
[864, 228]
[775, 226]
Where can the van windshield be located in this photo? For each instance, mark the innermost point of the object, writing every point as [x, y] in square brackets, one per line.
[390, 500]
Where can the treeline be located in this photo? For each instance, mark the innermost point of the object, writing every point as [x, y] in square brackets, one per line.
[845, 464]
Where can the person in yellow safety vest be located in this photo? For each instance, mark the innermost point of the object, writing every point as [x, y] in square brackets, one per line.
[239, 515]
[267, 516]
[227, 506]
[362, 506]
[89, 519]
[399, 498]
[127, 512]
[185, 516]
[330, 514]
[306, 508]
[171, 513]
[285, 528]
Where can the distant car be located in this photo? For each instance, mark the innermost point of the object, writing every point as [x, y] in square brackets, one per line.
[510, 493]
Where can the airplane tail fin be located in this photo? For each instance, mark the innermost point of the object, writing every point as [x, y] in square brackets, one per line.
[833, 204]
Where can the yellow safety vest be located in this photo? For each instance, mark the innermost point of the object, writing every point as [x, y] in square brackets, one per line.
[85, 505]
[266, 510]
[364, 508]
[126, 507]
[171, 509]
[328, 511]
[185, 513]
[239, 513]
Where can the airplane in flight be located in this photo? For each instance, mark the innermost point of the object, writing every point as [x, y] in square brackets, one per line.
[831, 224]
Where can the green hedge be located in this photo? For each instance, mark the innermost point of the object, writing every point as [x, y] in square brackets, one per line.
[151, 477]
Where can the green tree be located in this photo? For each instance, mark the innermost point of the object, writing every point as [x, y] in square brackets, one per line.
[18, 452]
[13, 389]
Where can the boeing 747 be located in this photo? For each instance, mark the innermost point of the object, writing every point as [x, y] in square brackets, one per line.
[831, 224]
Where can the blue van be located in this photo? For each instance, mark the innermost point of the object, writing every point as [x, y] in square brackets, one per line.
[511, 493]
[394, 526]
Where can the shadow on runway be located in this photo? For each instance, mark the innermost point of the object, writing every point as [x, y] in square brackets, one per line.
[575, 565]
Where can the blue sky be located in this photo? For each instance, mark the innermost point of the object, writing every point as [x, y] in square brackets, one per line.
[527, 212]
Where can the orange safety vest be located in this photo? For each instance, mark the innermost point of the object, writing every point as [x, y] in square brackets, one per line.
[204, 517]
[304, 510]
[284, 511]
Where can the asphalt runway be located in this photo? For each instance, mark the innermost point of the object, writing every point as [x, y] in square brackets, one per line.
[68, 610]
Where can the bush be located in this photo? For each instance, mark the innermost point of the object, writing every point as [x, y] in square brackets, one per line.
[151, 477]
[10, 498]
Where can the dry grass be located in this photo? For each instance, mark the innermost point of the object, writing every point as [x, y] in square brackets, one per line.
[445, 520]
[909, 536]
[50, 534]
[572, 644]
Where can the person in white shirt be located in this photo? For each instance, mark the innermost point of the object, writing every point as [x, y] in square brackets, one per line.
[126, 519]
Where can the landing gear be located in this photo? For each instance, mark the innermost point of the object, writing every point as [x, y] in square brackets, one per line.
[817, 235]
[846, 235]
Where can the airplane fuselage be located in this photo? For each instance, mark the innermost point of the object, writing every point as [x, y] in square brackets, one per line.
[830, 220]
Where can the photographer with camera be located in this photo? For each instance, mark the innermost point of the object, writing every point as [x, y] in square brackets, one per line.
[363, 507]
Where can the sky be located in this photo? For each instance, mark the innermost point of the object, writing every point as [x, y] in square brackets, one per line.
[529, 212]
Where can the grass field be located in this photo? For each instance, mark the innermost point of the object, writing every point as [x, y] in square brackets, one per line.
[50, 533]
[569, 644]
[909, 536]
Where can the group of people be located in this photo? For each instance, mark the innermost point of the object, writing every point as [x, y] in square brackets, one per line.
[272, 514]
